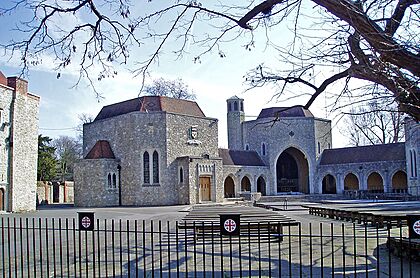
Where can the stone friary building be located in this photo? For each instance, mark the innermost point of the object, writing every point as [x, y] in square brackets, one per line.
[164, 151]
[18, 145]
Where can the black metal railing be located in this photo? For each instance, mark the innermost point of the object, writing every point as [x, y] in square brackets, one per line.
[56, 248]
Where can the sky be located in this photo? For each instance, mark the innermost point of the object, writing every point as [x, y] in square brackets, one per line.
[213, 80]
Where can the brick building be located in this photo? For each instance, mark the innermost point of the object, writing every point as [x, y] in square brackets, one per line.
[163, 151]
[18, 144]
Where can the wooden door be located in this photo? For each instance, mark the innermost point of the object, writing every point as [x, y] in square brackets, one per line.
[205, 188]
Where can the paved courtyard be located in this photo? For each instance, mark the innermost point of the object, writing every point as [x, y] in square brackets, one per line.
[319, 247]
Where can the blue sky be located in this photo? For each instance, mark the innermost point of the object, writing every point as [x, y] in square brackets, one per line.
[213, 80]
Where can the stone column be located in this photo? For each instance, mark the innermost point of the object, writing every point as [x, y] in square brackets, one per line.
[339, 183]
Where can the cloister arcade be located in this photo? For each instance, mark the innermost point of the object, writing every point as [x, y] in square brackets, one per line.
[375, 182]
[246, 183]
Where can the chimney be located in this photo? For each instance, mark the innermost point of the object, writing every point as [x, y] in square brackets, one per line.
[20, 85]
[3, 79]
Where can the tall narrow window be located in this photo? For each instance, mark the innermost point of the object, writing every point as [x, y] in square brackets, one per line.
[146, 169]
[181, 175]
[411, 164]
[114, 180]
[235, 106]
[263, 149]
[109, 181]
[242, 106]
[415, 163]
[319, 147]
[155, 167]
[247, 147]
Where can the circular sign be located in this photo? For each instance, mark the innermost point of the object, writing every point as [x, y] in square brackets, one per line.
[229, 225]
[416, 227]
[86, 222]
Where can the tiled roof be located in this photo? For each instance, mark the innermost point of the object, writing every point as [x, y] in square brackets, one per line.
[284, 112]
[151, 104]
[244, 158]
[102, 149]
[235, 97]
[375, 153]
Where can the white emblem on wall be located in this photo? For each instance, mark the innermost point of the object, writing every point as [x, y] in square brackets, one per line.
[192, 136]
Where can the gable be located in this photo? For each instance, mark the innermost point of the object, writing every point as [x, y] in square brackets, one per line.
[101, 149]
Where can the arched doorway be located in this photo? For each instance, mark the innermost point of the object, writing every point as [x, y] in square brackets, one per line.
[1, 199]
[375, 183]
[245, 184]
[351, 182]
[261, 186]
[229, 188]
[399, 182]
[329, 185]
[292, 172]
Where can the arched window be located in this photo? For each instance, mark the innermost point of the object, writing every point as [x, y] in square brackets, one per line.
[114, 180]
[229, 106]
[263, 151]
[181, 175]
[146, 170]
[242, 106]
[155, 167]
[109, 180]
[235, 106]
[247, 147]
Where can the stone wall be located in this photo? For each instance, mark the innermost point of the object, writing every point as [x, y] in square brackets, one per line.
[6, 94]
[412, 155]
[385, 169]
[131, 135]
[237, 173]
[91, 183]
[278, 136]
[25, 151]
[323, 136]
[19, 145]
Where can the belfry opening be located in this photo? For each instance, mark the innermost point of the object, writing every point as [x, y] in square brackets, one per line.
[292, 172]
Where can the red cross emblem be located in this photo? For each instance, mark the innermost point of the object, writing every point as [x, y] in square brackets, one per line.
[229, 225]
[86, 222]
[416, 227]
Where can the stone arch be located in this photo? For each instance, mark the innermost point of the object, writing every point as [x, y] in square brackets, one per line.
[2, 199]
[329, 185]
[229, 187]
[246, 184]
[351, 182]
[292, 171]
[399, 181]
[261, 186]
[375, 182]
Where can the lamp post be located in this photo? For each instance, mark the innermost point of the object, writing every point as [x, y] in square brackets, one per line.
[119, 185]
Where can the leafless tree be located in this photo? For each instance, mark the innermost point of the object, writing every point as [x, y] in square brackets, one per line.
[83, 119]
[67, 150]
[170, 88]
[376, 41]
[373, 124]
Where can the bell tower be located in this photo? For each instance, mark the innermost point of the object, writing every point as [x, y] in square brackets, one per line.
[235, 117]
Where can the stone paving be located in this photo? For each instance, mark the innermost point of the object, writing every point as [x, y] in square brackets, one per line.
[303, 250]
